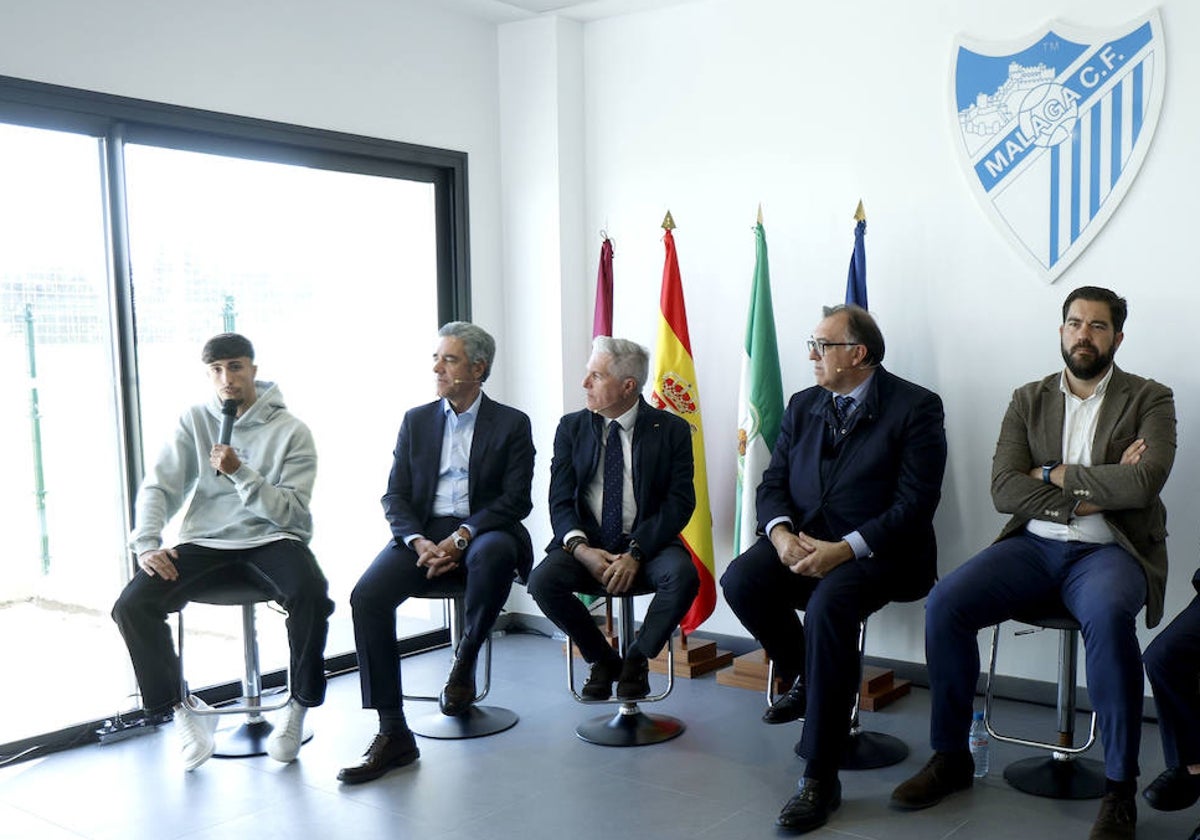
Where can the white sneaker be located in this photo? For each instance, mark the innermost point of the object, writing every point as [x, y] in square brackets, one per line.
[195, 734]
[284, 742]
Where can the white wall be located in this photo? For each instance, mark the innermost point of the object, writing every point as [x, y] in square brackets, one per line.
[712, 107]
[392, 69]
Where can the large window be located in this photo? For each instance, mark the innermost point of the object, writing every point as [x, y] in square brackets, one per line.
[129, 234]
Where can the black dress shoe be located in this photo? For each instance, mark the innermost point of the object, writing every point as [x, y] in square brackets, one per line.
[1173, 790]
[811, 806]
[458, 695]
[634, 682]
[600, 679]
[788, 706]
[385, 753]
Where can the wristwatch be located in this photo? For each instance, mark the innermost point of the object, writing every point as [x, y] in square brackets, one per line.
[635, 551]
[461, 542]
[1046, 468]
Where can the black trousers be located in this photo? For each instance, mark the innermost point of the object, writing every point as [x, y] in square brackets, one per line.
[765, 594]
[487, 571]
[669, 574]
[1173, 666]
[286, 567]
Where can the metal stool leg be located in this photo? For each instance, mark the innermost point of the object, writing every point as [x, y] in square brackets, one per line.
[250, 737]
[1063, 774]
[478, 721]
[865, 750]
[630, 726]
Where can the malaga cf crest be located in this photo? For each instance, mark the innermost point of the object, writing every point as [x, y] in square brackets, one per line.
[1054, 128]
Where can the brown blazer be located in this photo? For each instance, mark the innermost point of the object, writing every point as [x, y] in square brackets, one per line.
[1031, 434]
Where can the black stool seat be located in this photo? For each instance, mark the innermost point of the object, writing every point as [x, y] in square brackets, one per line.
[1063, 774]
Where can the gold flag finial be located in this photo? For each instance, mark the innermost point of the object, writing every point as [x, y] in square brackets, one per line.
[668, 222]
[860, 215]
[760, 212]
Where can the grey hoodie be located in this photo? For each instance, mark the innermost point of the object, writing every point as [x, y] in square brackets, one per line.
[265, 500]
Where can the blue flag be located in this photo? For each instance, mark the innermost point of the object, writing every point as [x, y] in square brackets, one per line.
[856, 282]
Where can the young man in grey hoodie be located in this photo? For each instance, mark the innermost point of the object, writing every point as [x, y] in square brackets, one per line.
[248, 508]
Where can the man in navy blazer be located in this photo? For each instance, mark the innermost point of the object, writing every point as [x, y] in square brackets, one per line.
[845, 510]
[458, 490]
[620, 492]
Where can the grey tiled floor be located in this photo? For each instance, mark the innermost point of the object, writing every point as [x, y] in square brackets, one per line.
[725, 777]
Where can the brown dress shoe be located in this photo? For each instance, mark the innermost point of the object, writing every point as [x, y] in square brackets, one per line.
[1117, 819]
[385, 753]
[458, 695]
[942, 775]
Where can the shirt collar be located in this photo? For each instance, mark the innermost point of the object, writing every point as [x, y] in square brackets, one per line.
[1101, 386]
[626, 420]
[473, 411]
[859, 392]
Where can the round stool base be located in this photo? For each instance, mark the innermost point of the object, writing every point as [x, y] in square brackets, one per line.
[476, 723]
[630, 728]
[248, 739]
[1078, 778]
[869, 751]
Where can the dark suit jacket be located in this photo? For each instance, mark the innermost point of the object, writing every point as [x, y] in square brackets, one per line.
[499, 473]
[662, 476]
[883, 480]
[1031, 434]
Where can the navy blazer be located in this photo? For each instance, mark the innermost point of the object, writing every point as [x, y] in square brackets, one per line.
[662, 476]
[884, 478]
[499, 473]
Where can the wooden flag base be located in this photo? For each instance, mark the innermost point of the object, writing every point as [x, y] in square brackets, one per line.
[879, 685]
[693, 656]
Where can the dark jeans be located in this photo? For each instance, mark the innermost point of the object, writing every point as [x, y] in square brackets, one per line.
[765, 594]
[286, 567]
[1101, 585]
[669, 574]
[1173, 666]
[487, 571]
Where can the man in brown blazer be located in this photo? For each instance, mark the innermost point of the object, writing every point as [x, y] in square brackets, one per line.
[1082, 457]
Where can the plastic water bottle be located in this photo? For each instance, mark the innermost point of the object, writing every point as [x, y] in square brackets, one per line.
[980, 745]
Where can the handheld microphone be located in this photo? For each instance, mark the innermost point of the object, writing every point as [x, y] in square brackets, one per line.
[228, 415]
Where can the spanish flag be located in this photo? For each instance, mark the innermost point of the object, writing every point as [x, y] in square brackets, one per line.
[675, 390]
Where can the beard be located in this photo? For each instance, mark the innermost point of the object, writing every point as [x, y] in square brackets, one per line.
[1088, 369]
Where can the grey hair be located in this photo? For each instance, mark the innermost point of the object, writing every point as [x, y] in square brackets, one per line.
[630, 360]
[478, 344]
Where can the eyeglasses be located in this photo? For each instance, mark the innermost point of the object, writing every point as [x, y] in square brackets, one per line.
[820, 345]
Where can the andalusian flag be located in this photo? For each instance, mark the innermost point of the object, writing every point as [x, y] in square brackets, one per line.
[856, 279]
[674, 381]
[760, 398]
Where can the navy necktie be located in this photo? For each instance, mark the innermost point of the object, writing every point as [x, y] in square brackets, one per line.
[614, 484]
[842, 406]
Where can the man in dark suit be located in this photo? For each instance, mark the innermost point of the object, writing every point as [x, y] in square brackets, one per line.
[1082, 457]
[620, 493]
[846, 512]
[458, 490]
[1173, 667]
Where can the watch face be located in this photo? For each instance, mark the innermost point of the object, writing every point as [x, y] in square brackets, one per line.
[460, 542]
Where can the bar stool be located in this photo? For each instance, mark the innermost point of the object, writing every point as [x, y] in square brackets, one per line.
[865, 750]
[478, 721]
[1062, 774]
[240, 589]
[630, 726]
